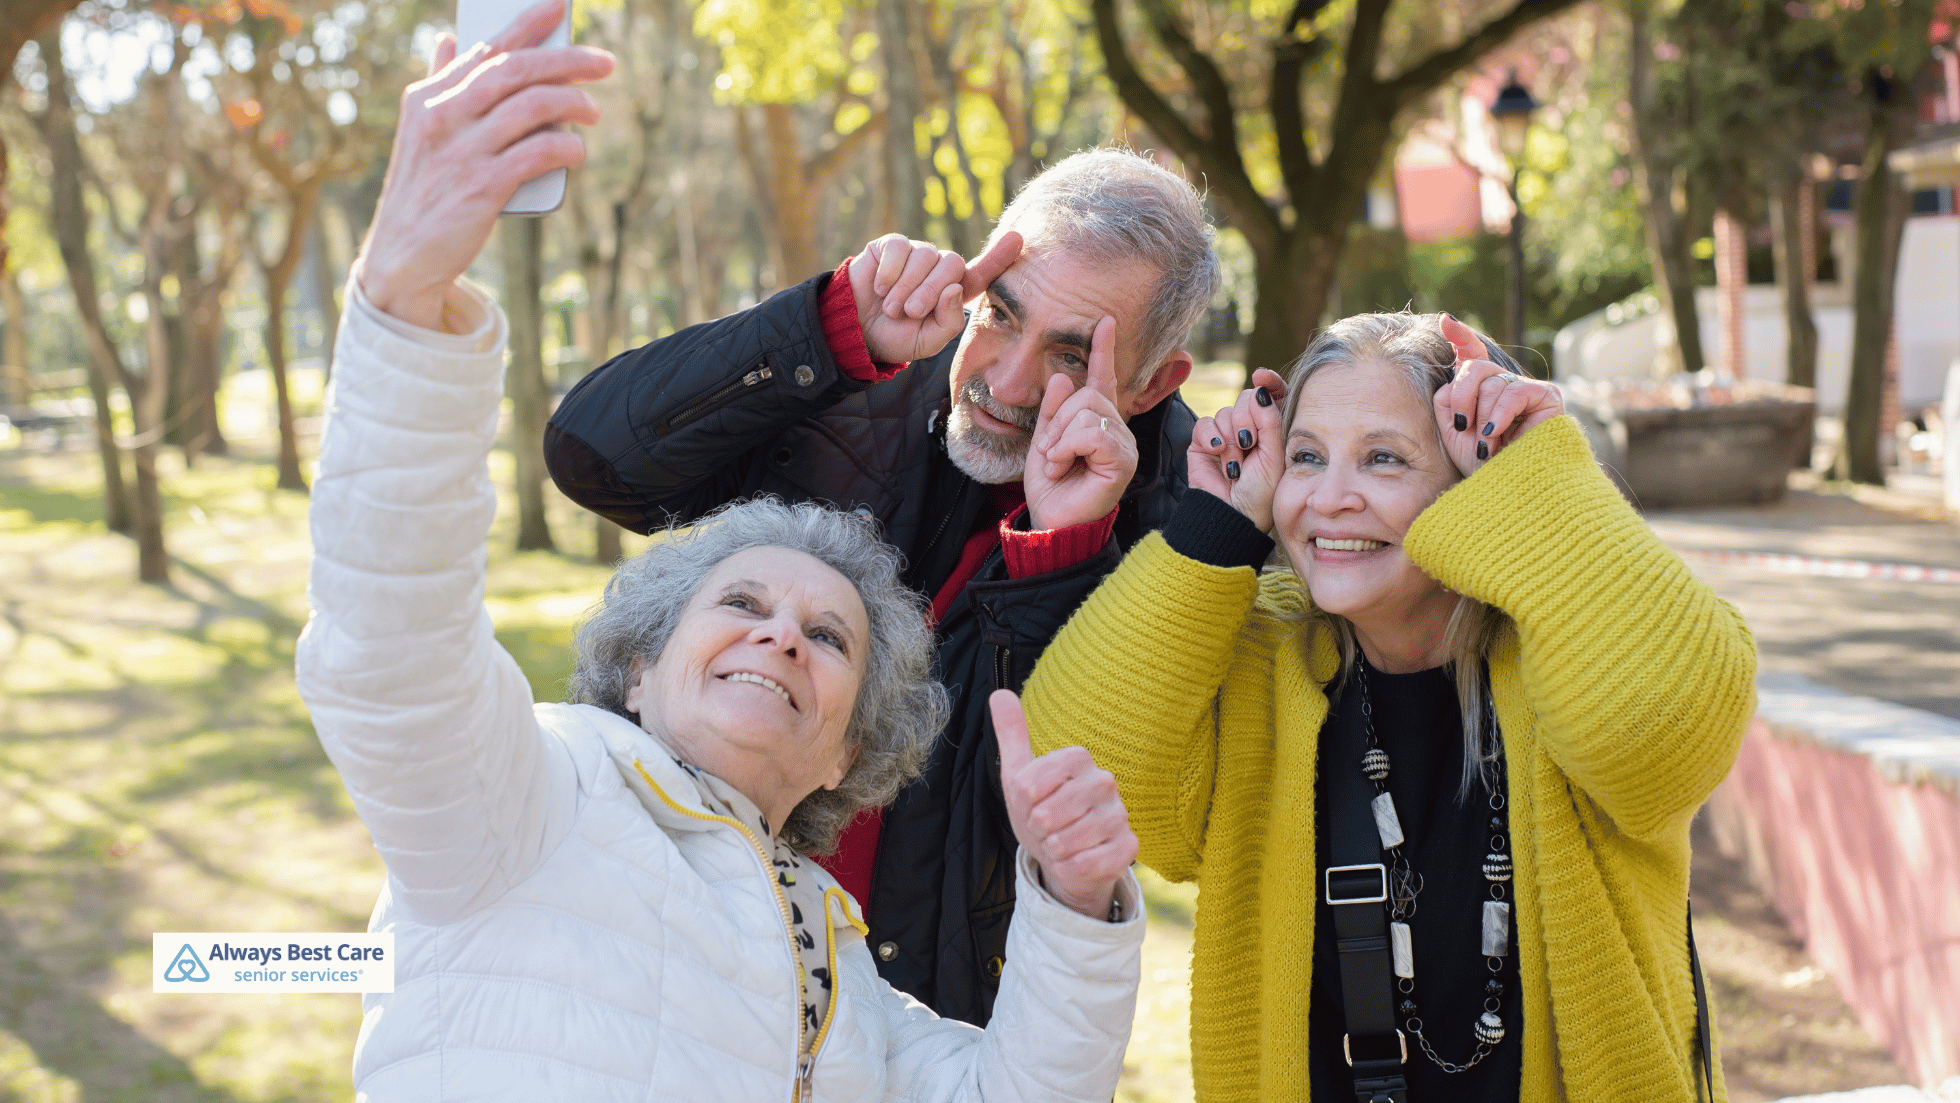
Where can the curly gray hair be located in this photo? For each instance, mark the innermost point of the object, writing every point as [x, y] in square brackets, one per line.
[900, 707]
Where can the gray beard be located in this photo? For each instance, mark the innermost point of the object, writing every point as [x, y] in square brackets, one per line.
[986, 456]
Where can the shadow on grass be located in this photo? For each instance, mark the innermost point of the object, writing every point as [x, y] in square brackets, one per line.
[74, 1035]
[47, 504]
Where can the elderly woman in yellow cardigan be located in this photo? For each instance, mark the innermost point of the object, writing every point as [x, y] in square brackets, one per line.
[1496, 671]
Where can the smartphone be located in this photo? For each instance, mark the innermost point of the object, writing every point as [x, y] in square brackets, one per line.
[480, 21]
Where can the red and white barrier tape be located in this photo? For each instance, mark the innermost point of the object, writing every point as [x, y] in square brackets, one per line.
[1830, 568]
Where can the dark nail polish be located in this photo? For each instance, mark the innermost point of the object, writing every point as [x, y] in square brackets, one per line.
[1263, 396]
[1216, 441]
[1483, 449]
[1245, 438]
[1488, 426]
[1462, 423]
[1232, 469]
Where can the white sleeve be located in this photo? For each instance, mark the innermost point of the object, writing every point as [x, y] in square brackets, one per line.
[427, 718]
[1061, 1020]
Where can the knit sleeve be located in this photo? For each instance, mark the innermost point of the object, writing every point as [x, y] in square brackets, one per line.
[1641, 678]
[1134, 676]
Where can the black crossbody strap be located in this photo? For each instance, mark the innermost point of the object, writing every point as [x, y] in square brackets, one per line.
[1704, 1041]
[1355, 884]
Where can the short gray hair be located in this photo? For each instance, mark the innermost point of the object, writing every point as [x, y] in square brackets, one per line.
[900, 707]
[1117, 205]
[1414, 347]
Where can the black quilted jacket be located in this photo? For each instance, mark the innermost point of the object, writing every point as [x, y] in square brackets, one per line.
[753, 403]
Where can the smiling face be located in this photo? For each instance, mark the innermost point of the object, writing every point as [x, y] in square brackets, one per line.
[1033, 323]
[757, 683]
[1363, 460]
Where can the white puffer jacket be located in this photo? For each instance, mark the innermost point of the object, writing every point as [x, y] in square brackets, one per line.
[571, 922]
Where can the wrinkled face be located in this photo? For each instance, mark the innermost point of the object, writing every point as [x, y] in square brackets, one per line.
[762, 673]
[1035, 322]
[1363, 459]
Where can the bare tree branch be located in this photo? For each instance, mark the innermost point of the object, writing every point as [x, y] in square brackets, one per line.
[1227, 179]
[821, 169]
[1221, 122]
[1433, 70]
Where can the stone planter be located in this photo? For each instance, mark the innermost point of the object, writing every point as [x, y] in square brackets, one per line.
[1730, 454]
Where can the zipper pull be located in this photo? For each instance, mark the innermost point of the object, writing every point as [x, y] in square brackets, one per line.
[757, 376]
[806, 1066]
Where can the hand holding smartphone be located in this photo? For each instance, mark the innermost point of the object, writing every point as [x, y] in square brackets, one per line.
[482, 124]
[482, 20]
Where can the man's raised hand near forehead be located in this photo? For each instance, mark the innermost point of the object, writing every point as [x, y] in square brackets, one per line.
[1082, 455]
[910, 294]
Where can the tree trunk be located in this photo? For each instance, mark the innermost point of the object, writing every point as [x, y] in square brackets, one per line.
[905, 187]
[521, 241]
[1788, 227]
[1882, 207]
[1653, 184]
[327, 280]
[147, 396]
[68, 217]
[16, 388]
[279, 280]
[1293, 281]
[795, 226]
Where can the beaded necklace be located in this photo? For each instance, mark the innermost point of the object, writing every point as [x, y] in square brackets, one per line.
[1405, 885]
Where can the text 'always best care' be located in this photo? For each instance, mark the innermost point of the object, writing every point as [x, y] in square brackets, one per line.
[238, 962]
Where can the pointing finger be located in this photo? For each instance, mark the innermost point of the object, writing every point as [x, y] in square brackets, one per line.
[1010, 732]
[1102, 358]
[998, 258]
[1464, 340]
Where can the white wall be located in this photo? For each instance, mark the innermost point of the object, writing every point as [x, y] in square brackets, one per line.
[1928, 327]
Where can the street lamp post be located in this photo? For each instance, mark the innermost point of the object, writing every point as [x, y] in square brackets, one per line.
[1512, 112]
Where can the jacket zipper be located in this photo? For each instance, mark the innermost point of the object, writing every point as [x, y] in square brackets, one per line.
[959, 498]
[806, 1063]
[704, 405]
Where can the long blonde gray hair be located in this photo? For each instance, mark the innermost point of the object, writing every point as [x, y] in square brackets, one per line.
[1413, 345]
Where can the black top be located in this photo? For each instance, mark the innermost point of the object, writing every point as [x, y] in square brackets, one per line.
[1418, 723]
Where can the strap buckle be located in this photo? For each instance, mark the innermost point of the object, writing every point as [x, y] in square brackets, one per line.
[1399, 1036]
[1349, 885]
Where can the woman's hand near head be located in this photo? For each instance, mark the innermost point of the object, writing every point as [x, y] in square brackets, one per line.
[1487, 407]
[1239, 453]
[469, 135]
[1066, 813]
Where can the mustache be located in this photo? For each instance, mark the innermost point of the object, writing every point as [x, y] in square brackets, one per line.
[975, 391]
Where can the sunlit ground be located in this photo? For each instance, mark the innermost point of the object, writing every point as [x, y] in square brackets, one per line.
[157, 772]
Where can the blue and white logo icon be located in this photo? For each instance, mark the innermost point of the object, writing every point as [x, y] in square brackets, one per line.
[186, 966]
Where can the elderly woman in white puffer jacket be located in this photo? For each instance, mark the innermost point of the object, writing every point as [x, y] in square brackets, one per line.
[608, 900]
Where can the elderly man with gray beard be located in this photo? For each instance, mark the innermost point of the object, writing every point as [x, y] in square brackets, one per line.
[874, 389]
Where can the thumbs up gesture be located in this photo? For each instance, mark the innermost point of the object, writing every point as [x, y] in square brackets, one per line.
[1065, 812]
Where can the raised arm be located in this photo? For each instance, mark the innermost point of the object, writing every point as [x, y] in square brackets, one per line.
[1644, 679]
[427, 719]
[672, 429]
[1136, 674]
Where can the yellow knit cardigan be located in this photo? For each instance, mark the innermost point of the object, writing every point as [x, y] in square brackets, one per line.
[1622, 694]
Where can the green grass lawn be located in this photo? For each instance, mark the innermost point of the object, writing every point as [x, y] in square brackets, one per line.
[159, 773]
